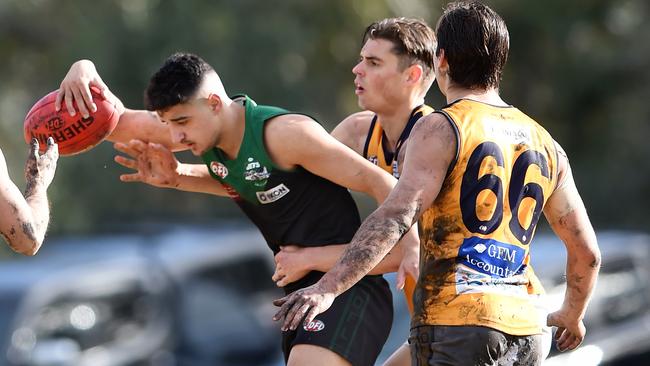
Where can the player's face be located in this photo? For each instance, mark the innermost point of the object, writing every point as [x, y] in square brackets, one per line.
[379, 82]
[192, 124]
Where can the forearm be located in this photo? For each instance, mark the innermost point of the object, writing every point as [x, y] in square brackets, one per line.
[375, 238]
[33, 228]
[583, 260]
[196, 178]
[568, 218]
[582, 272]
[381, 187]
[143, 125]
[325, 258]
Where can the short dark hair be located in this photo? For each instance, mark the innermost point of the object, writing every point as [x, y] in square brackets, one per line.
[413, 40]
[476, 43]
[176, 81]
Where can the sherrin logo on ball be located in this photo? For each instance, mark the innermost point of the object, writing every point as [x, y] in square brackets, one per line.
[73, 134]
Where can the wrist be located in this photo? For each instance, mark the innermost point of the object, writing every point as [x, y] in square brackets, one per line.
[572, 312]
[35, 187]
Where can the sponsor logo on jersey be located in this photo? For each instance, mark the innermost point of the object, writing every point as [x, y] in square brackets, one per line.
[373, 159]
[256, 173]
[314, 326]
[507, 132]
[492, 257]
[471, 281]
[219, 169]
[272, 194]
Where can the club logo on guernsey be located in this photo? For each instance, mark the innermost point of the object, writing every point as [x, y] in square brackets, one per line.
[491, 257]
[256, 173]
[219, 169]
[272, 194]
[314, 326]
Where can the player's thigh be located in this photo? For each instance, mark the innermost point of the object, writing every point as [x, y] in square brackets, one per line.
[401, 357]
[308, 354]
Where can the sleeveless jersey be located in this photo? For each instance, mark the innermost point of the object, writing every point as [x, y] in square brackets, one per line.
[475, 237]
[379, 154]
[288, 207]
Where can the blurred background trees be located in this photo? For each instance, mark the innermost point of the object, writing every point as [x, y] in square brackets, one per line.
[581, 68]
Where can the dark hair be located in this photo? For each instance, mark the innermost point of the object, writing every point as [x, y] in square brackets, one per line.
[413, 40]
[176, 81]
[476, 43]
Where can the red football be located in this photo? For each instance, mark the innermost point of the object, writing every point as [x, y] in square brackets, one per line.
[74, 134]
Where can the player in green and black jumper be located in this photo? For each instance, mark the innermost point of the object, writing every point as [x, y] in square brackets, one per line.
[286, 173]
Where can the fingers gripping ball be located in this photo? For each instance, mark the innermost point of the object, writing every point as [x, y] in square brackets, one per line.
[73, 134]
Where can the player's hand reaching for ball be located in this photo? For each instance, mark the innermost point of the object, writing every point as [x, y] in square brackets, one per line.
[75, 88]
[154, 164]
[40, 169]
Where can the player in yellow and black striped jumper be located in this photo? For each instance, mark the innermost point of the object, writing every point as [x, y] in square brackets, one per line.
[478, 174]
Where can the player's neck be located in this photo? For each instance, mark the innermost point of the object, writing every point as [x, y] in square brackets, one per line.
[489, 96]
[394, 121]
[232, 135]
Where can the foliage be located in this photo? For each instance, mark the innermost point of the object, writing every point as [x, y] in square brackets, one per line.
[571, 67]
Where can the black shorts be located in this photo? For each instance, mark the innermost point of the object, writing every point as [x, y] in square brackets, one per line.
[356, 326]
[434, 345]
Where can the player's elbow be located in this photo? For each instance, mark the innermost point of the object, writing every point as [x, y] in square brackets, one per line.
[594, 258]
[589, 255]
[26, 246]
[28, 243]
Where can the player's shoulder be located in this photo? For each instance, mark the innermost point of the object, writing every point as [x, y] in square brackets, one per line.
[352, 131]
[433, 122]
[291, 127]
[434, 130]
[357, 123]
[291, 121]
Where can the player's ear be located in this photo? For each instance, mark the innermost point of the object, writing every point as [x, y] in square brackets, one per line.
[214, 101]
[415, 73]
[441, 62]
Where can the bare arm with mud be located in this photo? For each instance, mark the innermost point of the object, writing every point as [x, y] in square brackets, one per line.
[567, 216]
[24, 220]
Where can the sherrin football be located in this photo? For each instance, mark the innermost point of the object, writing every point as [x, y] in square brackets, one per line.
[73, 134]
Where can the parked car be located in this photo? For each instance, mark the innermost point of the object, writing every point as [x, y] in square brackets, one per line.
[195, 296]
[179, 296]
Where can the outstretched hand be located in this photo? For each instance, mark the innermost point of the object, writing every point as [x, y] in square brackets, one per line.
[303, 304]
[40, 168]
[154, 164]
[75, 88]
[570, 331]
